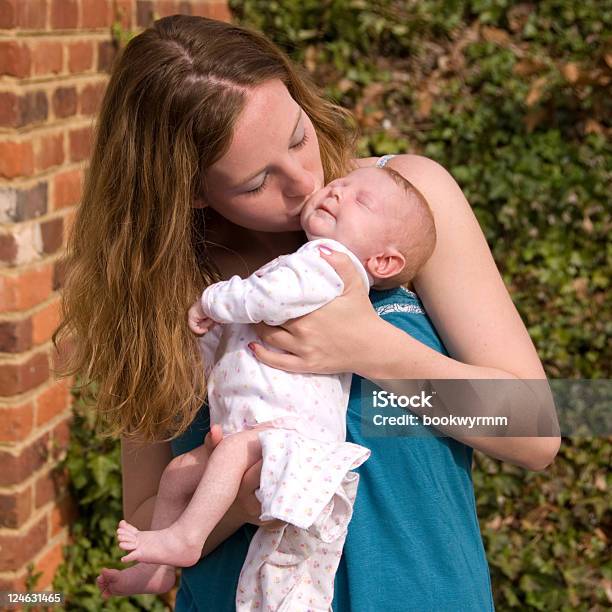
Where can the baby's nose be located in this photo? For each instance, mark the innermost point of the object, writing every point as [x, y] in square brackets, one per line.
[336, 191]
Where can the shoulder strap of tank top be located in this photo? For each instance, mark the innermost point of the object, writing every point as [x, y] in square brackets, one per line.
[382, 161]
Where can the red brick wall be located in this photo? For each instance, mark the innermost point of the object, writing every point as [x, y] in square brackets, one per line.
[54, 62]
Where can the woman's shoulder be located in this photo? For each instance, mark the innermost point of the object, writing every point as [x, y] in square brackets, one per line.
[364, 162]
[416, 168]
[435, 182]
[438, 187]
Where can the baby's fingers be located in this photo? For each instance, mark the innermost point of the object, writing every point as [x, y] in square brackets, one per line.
[195, 327]
[201, 326]
[200, 330]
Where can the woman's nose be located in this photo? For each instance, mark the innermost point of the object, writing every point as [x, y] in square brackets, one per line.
[300, 183]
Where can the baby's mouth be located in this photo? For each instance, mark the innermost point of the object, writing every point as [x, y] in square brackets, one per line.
[324, 208]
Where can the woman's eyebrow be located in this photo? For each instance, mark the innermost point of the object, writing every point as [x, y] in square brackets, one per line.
[252, 176]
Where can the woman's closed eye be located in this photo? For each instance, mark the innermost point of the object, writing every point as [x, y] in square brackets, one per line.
[261, 187]
[302, 142]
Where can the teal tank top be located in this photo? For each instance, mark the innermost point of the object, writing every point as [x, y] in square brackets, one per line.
[413, 543]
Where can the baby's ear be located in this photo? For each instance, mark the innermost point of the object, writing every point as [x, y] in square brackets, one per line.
[386, 264]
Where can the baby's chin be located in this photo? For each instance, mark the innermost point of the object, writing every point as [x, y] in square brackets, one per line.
[313, 236]
[315, 230]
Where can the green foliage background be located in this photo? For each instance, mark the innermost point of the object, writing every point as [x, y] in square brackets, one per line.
[94, 465]
[513, 98]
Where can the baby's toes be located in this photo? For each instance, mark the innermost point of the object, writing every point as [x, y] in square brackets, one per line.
[111, 576]
[105, 582]
[125, 537]
[133, 556]
[128, 543]
[124, 525]
[127, 534]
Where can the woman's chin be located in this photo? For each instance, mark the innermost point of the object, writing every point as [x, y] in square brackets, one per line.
[294, 224]
[291, 224]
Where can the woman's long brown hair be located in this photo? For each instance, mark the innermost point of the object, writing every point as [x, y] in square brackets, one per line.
[136, 258]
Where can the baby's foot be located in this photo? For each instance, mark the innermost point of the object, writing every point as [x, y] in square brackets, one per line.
[140, 578]
[167, 546]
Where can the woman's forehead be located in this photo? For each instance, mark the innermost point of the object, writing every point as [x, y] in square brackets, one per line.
[263, 129]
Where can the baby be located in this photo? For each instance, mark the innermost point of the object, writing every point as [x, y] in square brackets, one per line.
[295, 423]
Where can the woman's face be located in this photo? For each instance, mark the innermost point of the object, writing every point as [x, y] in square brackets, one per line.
[272, 166]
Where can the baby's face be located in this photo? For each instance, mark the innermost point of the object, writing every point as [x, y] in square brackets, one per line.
[356, 210]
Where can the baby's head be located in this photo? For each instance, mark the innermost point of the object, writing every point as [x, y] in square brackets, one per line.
[378, 215]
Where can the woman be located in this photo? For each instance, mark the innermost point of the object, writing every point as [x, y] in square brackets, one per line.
[209, 141]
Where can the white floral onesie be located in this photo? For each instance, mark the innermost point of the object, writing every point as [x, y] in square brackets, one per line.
[306, 477]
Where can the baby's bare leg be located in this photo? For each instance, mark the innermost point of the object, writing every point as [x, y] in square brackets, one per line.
[181, 543]
[178, 482]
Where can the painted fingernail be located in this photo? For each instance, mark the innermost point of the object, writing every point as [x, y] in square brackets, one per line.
[325, 250]
[251, 345]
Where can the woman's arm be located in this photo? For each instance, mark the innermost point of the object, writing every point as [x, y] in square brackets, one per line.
[460, 285]
[463, 293]
[466, 299]
[142, 466]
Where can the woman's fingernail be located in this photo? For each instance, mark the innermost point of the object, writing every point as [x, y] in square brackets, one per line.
[251, 345]
[325, 250]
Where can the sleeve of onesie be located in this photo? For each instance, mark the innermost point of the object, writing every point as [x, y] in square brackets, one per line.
[296, 285]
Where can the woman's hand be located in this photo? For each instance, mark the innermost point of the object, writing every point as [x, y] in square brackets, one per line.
[330, 340]
[246, 507]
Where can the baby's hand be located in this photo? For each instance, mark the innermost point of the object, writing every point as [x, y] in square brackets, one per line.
[199, 323]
